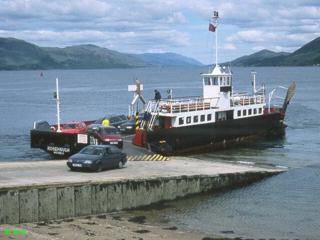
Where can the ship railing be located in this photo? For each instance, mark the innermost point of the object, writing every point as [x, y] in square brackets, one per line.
[172, 106]
[152, 107]
[240, 100]
[274, 98]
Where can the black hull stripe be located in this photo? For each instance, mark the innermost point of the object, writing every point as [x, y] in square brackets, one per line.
[214, 135]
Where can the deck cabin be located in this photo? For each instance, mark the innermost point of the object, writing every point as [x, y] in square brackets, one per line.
[218, 103]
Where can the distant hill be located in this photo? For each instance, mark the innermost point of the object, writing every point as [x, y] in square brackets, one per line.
[17, 54]
[260, 58]
[91, 56]
[307, 55]
[168, 59]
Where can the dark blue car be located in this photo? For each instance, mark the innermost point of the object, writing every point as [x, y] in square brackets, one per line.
[97, 158]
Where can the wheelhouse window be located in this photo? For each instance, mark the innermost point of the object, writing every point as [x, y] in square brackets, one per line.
[260, 110]
[224, 81]
[215, 81]
[202, 118]
[181, 121]
[209, 117]
[195, 119]
[188, 119]
[239, 113]
[255, 111]
[244, 112]
[250, 112]
[207, 81]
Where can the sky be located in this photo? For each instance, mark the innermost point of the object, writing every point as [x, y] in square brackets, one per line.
[180, 26]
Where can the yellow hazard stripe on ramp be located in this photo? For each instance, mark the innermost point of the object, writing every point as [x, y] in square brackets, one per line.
[148, 157]
[153, 157]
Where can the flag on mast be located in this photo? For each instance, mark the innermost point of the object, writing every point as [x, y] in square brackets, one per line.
[212, 28]
[213, 23]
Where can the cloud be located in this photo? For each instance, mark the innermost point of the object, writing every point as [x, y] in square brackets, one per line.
[259, 36]
[229, 46]
[274, 48]
[153, 39]
[177, 17]
[307, 12]
[167, 25]
[252, 36]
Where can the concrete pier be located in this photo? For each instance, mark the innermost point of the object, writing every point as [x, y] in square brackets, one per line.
[45, 190]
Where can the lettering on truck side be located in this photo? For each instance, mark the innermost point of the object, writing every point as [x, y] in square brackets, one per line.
[58, 150]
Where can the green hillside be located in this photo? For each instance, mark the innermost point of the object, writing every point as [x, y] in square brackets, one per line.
[261, 58]
[17, 54]
[307, 55]
[91, 56]
[168, 59]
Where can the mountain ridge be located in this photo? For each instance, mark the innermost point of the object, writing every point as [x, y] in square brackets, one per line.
[307, 55]
[160, 59]
[16, 54]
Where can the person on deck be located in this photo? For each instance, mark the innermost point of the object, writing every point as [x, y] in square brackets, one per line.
[157, 95]
[146, 116]
[106, 122]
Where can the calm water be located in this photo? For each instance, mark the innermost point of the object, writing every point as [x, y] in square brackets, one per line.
[285, 206]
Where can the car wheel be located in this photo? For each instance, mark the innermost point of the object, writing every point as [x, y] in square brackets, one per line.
[120, 164]
[72, 169]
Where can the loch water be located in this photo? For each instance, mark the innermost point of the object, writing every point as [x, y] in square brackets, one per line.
[285, 206]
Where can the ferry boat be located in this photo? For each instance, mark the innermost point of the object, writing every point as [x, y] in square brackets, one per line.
[219, 118]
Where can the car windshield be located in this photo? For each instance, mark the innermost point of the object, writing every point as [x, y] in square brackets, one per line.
[108, 131]
[92, 151]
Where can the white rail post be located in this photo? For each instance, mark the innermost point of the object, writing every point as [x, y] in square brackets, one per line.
[270, 97]
[58, 104]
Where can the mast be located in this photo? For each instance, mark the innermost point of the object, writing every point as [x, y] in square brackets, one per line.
[58, 104]
[213, 28]
[254, 90]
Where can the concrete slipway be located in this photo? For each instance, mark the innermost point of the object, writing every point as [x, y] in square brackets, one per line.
[45, 190]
